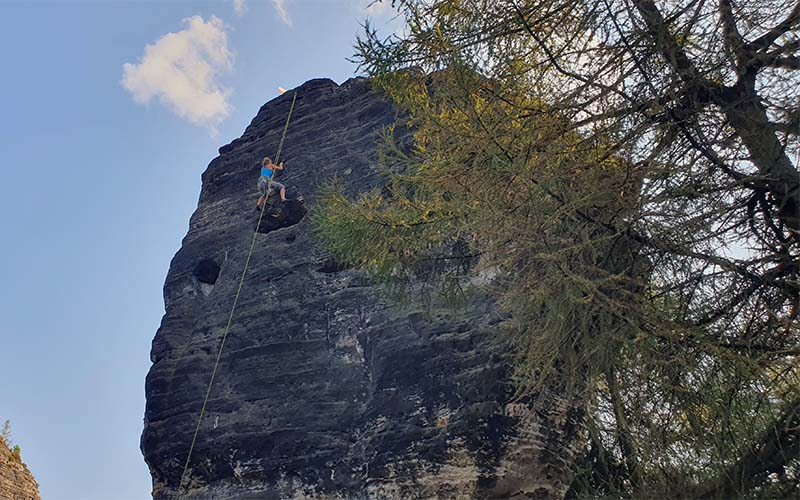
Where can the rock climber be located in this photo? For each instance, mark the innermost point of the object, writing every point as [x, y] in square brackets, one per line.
[267, 172]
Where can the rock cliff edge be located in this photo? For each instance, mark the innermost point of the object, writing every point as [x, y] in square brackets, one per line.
[16, 481]
[325, 389]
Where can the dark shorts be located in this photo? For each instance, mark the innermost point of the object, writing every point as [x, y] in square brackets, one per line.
[263, 184]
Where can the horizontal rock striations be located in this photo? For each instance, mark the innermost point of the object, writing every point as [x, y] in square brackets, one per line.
[325, 389]
[16, 481]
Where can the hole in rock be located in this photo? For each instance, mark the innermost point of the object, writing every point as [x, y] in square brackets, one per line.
[206, 271]
[279, 214]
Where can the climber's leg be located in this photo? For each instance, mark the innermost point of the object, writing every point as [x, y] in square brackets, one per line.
[278, 185]
[263, 186]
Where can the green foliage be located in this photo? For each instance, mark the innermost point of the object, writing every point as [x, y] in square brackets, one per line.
[499, 178]
[6, 440]
[561, 149]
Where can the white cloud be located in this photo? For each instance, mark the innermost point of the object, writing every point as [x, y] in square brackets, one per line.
[240, 6]
[280, 7]
[183, 69]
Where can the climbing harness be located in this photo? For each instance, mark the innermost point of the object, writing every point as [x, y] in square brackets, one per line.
[233, 308]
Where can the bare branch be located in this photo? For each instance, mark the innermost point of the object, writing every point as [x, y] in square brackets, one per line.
[787, 62]
[665, 41]
[765, 40]
[734, 43]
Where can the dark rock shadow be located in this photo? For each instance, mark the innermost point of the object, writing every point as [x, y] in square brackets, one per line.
[279, 214]
[206, 271]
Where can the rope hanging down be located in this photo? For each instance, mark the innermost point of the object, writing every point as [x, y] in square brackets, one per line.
[233, 308]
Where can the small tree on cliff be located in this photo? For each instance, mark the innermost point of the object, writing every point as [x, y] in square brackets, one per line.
[5, 434]
[5, 440]
[624, 170]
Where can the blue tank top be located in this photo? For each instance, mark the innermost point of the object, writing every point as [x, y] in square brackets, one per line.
[266, 172]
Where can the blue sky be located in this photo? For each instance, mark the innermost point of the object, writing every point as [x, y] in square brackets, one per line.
[101, 167]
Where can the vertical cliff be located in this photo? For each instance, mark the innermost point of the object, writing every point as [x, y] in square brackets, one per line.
[325, 389]
[16, 481]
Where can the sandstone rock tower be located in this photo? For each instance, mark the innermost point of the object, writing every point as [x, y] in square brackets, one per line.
[325, 389]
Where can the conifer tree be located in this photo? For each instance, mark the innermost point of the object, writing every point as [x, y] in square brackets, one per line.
[625, 172]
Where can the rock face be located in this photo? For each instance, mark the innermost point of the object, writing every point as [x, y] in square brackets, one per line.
[16, 481]
[325, 389]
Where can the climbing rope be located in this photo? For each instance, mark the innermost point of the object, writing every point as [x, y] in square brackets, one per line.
[235, 301]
